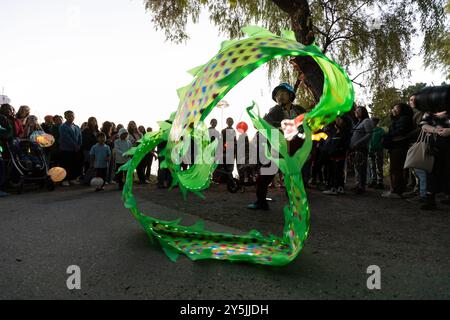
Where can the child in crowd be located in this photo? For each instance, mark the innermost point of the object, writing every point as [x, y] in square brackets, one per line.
[376, 156]
[31, 125]
[121, 146]
[100, 156]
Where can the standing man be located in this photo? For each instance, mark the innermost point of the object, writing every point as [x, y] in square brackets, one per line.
[213, 133]
[69, 145]
[55, 154]
[229, 144]
[284, 96]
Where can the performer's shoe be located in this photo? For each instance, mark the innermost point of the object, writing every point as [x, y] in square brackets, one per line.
[258, 206]
[430, 203]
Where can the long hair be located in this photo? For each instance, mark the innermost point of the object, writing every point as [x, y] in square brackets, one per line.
[106, 128]
[92, 125]
[31, 125]
[405, 110]
[365, 113]
[21, 110]
[132, 127]
[5, 109]
[433, 99]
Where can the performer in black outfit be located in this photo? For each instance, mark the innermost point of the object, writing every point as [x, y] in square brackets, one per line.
[284, 95]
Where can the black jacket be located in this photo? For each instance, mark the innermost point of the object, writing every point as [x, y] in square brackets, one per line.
[398, 135]
[276, 115]
[89, 139]
[274, 118]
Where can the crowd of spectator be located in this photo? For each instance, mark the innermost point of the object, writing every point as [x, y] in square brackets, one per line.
[356, 146]
[84, 152]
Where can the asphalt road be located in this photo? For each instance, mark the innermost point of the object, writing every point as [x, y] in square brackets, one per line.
[42, 233]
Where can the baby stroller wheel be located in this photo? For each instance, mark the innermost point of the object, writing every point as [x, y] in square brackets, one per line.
[16, 181]
[233, 185]
[20, 186]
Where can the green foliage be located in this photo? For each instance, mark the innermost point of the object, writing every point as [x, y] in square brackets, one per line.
[373, 37]
[385, 98]
[438, 49]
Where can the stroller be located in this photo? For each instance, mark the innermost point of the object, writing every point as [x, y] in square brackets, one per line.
[27, 164]
[222, 175]
[248, 174]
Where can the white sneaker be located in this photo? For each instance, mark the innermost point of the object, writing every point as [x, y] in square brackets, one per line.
[340, 190]
[391, 195]
[331, 192]
[66, 184]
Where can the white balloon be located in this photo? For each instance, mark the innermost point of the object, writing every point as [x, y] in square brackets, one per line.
[97, 182]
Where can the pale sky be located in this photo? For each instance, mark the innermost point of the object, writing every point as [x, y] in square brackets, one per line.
[104, 58]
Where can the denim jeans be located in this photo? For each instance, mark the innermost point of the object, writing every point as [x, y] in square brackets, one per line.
[422, 175]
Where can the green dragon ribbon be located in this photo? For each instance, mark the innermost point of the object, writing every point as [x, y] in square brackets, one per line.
[212, 81]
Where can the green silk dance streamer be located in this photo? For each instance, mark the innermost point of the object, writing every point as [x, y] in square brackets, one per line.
[212, 81]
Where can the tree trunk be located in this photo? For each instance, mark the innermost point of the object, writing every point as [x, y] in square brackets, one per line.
[300, 15]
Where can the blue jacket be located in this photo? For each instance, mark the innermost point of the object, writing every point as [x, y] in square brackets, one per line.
[69, 139]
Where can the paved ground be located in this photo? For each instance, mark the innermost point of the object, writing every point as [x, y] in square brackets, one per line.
[42, 233]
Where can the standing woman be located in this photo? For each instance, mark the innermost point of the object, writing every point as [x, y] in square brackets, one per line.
[134, 135]
[89, 138]
[55, 155]
[397, 142]
[438, 124]
[21, 119]
[359, 147]
[107, 129]
[31, 125]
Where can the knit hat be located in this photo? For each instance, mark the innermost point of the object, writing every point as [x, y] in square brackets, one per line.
[122, 131]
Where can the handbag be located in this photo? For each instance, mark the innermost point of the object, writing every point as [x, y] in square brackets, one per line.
[419, 156]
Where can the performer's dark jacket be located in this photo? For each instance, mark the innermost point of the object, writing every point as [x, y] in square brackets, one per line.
[278, 114]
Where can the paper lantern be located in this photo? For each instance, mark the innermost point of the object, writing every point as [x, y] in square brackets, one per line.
[57, 174]
[97, 182]
[43, 139]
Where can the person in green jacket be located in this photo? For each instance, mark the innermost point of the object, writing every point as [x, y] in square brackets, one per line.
[376, 156]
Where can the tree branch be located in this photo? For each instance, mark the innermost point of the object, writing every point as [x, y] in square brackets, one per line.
[359, 84]
[361, 73]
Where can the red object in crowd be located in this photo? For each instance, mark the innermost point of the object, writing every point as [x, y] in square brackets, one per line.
[18, 128]
[242, 127]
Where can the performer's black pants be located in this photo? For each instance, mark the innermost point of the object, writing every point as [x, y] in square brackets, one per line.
[263, 181]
